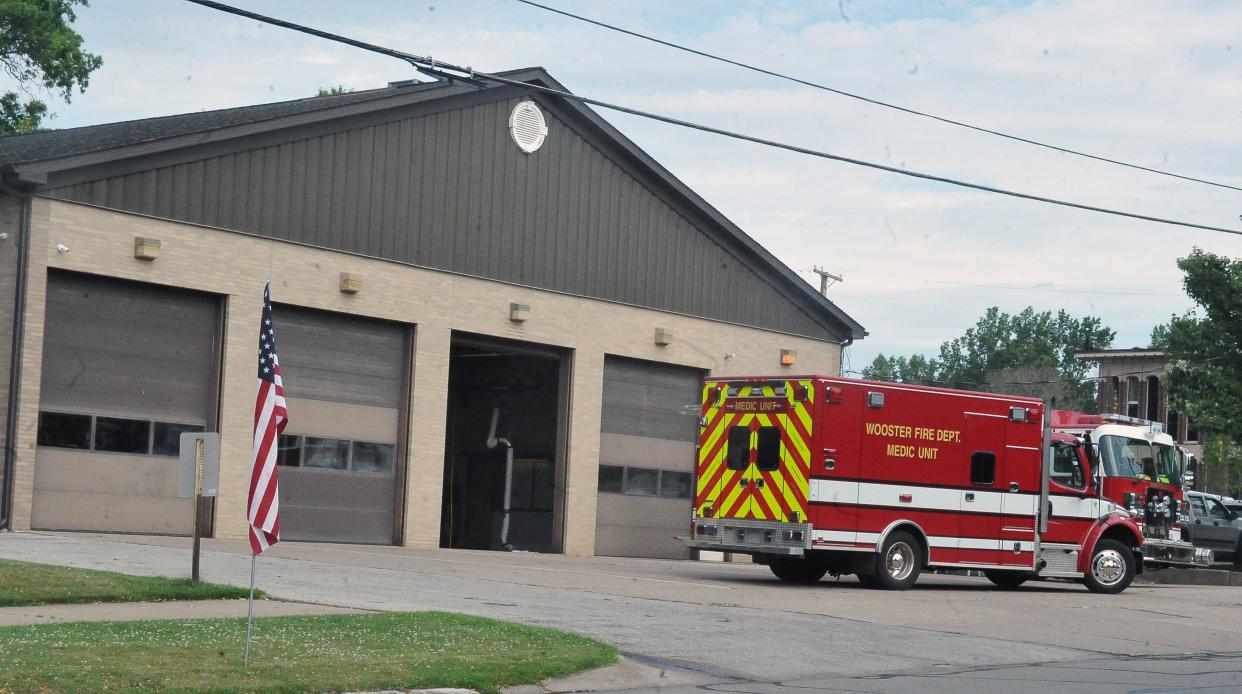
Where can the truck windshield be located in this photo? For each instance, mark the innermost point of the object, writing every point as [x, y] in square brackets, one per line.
[1127, 457]
[1166, 464]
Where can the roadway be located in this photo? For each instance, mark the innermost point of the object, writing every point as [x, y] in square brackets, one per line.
[733, 628]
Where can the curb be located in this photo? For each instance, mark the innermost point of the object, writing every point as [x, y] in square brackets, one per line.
[1190, 577]
[442, 690]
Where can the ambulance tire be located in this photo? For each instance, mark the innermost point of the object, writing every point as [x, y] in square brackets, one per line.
[868, 581]
[899, 562]
[1111, 569]
[1006, 580]
[804, 570]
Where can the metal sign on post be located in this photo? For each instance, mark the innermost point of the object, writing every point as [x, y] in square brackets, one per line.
[200, 476]
[211, 462]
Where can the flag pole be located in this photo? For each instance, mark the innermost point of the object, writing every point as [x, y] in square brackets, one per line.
[249, 613]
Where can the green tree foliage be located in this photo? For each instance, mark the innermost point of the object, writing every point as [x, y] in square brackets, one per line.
[17, 118]
[1031, 352]
[333, 91]
[1205, 345]
[1221, 466]
[38, 48]
[1160, 337]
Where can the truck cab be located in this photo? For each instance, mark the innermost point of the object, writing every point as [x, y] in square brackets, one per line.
[1138, 469]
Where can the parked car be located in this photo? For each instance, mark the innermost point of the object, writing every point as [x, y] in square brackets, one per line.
[1234, 505]
[1210, 523]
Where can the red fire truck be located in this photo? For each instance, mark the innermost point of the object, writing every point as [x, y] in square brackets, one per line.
[817, 474]
[1140, 468]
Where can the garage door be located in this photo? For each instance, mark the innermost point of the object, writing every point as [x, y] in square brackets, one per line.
[127, 367]
[647, 436]
[342, 462]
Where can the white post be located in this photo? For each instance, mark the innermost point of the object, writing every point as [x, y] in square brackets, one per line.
[504, 523]
[249, 613]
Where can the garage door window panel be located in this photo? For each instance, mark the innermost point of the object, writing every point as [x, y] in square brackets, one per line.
[674, 485]
[289, 451]
[372, 458]
[166, 437]
[610, 478]
[63, 430]
[325, 453]
[642, 482]
[120, 435]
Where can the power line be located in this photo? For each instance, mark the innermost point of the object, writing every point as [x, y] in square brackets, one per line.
[869, 100]
[1058, 380]
[1036, 288]
[1054, 381]
[441, 70]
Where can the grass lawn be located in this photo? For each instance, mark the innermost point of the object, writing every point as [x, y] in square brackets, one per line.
[25, 583]
[322, 653]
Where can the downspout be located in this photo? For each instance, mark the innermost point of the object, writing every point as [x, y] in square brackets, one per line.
[15, 371]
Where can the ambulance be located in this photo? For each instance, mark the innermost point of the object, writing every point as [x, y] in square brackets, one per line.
[817, 474]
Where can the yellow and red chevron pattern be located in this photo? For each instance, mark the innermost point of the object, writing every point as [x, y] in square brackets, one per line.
[777, 495]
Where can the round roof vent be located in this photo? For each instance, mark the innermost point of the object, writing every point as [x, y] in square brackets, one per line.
[527, 126]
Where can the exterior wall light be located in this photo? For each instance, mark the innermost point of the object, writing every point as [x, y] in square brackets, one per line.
[146, 249]
[350, 283]
[518, 313]
[789, 357]
[663, 337]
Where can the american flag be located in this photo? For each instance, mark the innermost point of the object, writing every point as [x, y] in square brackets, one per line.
[270, 418]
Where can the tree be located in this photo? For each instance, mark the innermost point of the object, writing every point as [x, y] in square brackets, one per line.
[1027, 353]
[1221, 466]
[333, 91]
[39, 49]
[913, 369]
[1204, 345]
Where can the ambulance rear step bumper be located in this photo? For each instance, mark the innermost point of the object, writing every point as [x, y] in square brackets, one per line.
[745, 535]
[1172, 553]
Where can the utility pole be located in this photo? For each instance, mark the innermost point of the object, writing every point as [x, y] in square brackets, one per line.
[824, 276]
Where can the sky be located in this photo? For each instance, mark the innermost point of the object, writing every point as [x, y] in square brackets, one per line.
[1154, 83]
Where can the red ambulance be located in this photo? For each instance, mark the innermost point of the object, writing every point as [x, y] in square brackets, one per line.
[818, 474]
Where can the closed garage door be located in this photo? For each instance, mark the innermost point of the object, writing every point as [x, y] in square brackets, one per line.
[127, 367]
[648, 432]
[341, 460]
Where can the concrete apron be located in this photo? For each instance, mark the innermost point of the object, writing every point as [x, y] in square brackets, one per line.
[172, 609]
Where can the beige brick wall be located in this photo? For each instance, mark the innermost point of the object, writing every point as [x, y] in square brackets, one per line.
[236, 265]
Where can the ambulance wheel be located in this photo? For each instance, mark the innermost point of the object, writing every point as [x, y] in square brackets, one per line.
[898, 564]
[798, 569]
[1111, 568]
[1006, 579]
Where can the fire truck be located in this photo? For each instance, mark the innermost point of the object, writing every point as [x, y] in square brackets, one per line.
[1142, 469]
[817, 474]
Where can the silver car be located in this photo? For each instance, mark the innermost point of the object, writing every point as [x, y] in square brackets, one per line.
[1209, 523]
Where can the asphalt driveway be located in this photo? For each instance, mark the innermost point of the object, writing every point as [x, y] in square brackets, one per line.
[733, 624]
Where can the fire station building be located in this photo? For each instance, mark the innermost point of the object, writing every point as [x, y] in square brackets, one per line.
[445, 258]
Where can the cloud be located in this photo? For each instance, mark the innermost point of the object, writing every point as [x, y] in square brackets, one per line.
[1156, 83]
